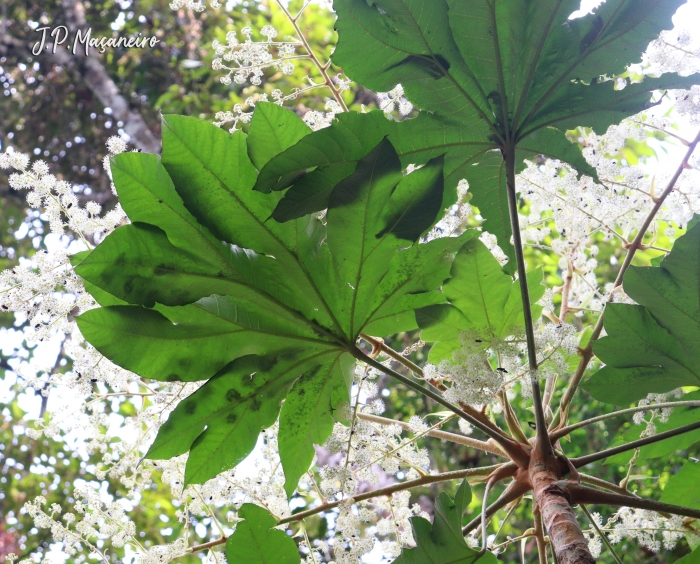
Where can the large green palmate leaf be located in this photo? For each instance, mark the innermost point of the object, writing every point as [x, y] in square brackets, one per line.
[205, 285]
[653, 347]
[484, 300]
[501, 77]
[442, 542]
[256, 542]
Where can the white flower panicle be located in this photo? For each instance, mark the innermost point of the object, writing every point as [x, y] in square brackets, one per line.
[394, 100]
[246, 61]
[651, 530]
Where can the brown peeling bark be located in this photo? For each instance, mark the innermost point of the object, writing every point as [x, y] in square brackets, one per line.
[553, 501]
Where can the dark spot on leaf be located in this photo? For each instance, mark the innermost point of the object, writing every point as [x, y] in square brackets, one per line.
[231, 417]
[128, 286]
[597, 25]
[233, 395]
[268, 363]
[172, 378]
[255, 405]
[190, 407]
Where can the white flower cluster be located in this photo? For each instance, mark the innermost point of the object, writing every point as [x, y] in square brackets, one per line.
[676, 50]
[95, 520]
[651, 530]
[394, 100]
[371, 454]
[318, 120]
[243, 113]
[474, 381]
[649, 418]
[57, 199]
[567, 213]
[454, 218]
[688, 103]
[366, 447]
[246, 61]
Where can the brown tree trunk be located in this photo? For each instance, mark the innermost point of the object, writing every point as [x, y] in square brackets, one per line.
[560, 522]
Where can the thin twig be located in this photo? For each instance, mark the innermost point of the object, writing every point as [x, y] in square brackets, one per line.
[583, 460]
[583, 494]
[323, 69]
[604, 485]
[511, 493]
[397, 356]
[484, 504]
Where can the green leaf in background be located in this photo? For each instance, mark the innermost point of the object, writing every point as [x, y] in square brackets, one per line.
[256, 542]
[483, 299]
[692, 558]
[498, 76]
[205, 285]
[683, 488]
[442, 542]
[653, 347]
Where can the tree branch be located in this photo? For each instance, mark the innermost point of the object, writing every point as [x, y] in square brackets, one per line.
[514, 490]
[100, 83]
[563, 431]
[583, 494]
[587, 354]
[603, 484]
[583, 460]
[515, 450]
[425, 480]
[444, 435]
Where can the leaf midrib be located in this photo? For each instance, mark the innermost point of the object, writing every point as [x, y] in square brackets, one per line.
[246, 328]
[273, 301]
[200, 234]
[361, 263]
[595, 109]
